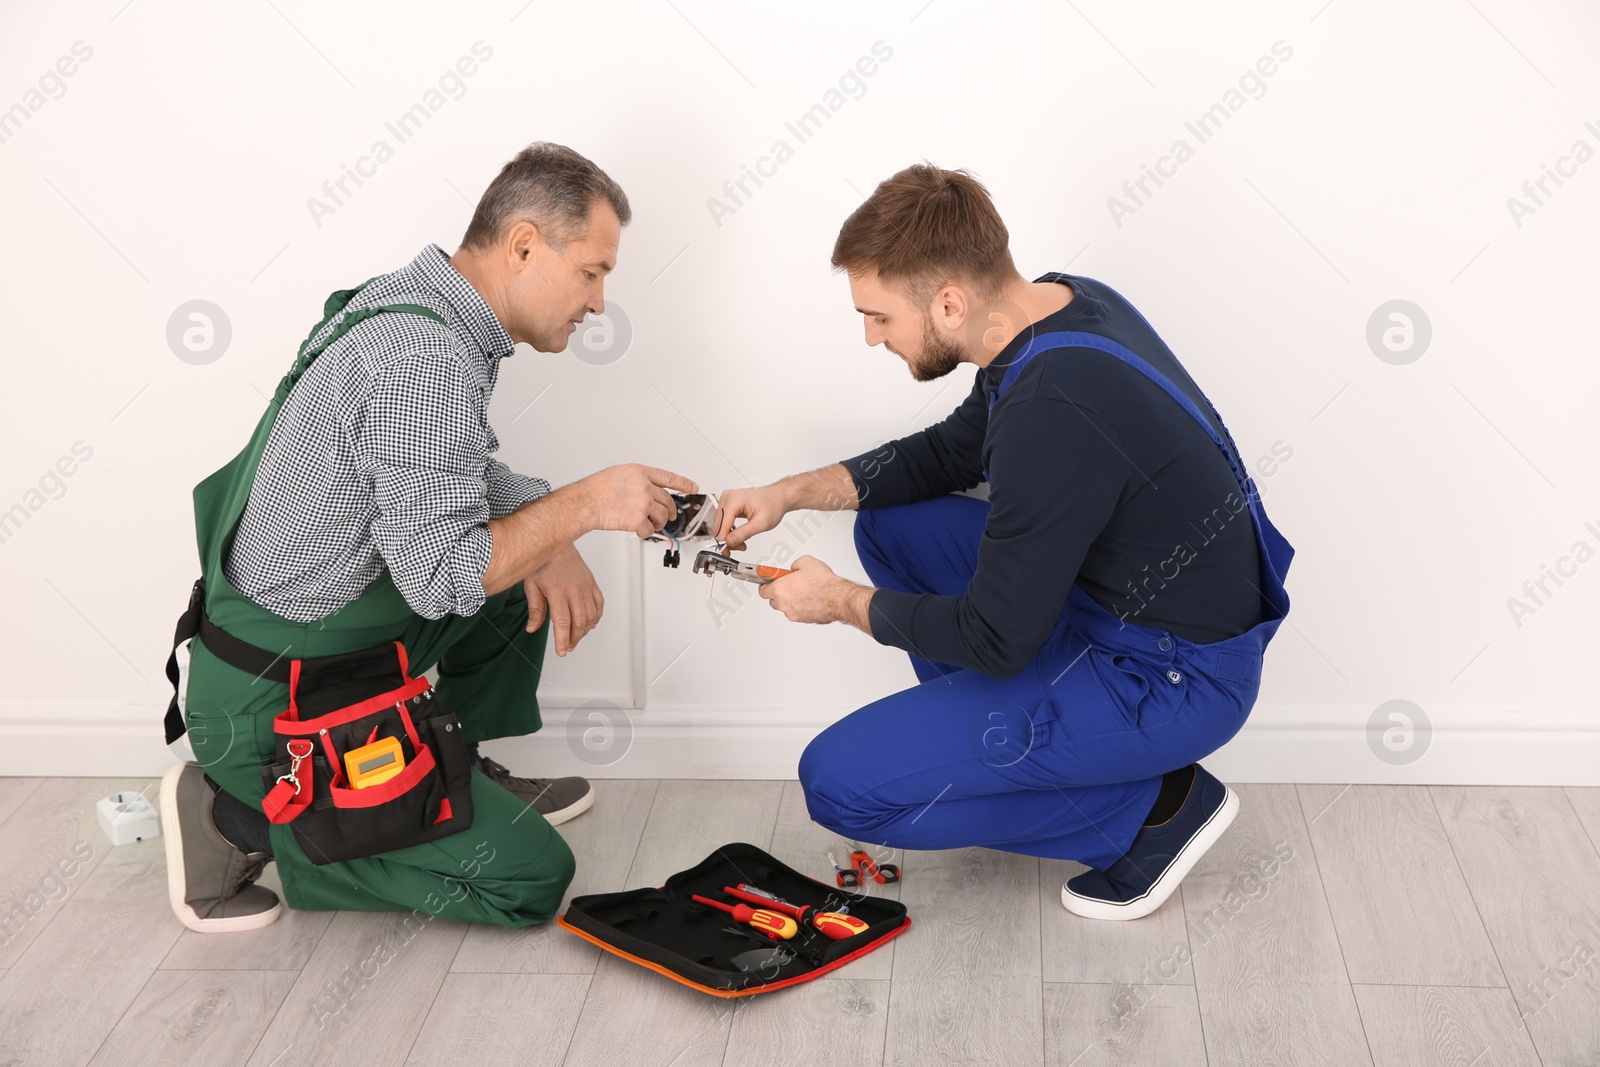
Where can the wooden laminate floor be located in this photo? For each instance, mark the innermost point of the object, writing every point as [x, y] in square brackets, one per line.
[1331, 925]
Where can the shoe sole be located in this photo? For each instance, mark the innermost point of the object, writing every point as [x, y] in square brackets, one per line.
[573, 810]
[177, 879]
[1158, 893]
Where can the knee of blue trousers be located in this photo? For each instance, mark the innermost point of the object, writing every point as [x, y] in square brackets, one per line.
[866, 525]
[869, 544]
[832, 793]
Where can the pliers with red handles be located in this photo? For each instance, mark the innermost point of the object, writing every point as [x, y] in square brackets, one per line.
[862, 867]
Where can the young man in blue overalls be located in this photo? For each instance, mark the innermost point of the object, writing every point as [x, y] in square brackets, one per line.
[1083, 636]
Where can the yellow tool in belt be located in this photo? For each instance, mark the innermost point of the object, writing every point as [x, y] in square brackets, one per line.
[374, 763]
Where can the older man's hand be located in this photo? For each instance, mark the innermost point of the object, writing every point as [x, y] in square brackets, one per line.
[565, 588]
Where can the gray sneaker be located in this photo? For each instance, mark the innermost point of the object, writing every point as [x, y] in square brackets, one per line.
[557, 799]
[210, 883]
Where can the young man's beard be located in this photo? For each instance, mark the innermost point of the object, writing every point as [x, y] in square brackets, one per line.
[939, 355]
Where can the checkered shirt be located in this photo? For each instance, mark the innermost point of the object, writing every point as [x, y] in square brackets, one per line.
[381, 457]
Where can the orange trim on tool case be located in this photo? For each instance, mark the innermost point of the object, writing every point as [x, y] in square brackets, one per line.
[730, 993]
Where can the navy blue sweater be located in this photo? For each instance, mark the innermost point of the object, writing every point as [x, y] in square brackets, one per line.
[1096, 477]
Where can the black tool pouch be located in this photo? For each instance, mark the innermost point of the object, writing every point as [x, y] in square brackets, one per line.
[341, 703]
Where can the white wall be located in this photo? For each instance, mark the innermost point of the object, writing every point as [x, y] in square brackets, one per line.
[1374, 164]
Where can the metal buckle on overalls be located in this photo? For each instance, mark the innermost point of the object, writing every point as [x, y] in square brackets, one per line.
[294, 768]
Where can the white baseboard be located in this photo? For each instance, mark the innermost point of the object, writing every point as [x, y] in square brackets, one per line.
[1468, 746]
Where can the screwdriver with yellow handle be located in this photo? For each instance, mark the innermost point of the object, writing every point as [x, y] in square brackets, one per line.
[774, 924]
[833, 924]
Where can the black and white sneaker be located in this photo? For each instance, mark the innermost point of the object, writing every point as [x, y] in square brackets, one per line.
[1145, 876]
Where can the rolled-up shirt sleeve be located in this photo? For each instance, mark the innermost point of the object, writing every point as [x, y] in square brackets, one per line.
[509, 490]
[423, 448]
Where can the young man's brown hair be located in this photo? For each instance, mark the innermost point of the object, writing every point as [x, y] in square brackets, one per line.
[925, 227]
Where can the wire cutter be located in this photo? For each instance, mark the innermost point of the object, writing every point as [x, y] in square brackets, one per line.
[708, 562]
[862, 867]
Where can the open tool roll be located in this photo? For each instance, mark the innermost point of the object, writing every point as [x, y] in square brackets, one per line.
[706, 948]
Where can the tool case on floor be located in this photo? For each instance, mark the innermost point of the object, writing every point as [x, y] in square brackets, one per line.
[707, 949]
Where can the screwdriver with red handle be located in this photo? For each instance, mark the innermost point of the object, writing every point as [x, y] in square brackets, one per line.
[774, 924]
[831, 923]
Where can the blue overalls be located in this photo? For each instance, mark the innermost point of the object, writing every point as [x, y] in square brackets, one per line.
[1064, 759]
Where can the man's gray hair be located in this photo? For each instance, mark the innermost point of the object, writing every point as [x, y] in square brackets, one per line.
[549, 185]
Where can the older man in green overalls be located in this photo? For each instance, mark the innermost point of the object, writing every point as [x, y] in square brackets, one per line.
[367, 509]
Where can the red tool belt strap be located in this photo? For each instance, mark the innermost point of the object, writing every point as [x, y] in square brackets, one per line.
[292, 794]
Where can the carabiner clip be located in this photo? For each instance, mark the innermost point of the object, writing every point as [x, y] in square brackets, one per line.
[293, 777]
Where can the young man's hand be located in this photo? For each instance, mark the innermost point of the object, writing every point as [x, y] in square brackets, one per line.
[813, 593]
[564, 587]
[761, 509]
[830, 488]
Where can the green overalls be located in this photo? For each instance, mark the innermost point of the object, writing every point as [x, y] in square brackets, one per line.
[510, 868]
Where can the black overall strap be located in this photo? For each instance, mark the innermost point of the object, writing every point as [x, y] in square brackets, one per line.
[188, 626]
[229, 649]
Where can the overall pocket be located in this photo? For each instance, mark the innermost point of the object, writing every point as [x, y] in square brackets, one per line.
[1242, 673]
[1134, 687]
[384, 772]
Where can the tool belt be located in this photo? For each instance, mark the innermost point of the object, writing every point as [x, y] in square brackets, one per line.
[364, 759]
